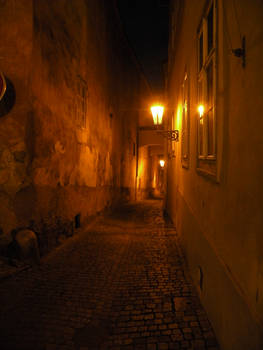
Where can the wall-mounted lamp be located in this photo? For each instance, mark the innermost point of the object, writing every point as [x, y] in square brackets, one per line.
[157, 114]
[162, 162]
[201, 110]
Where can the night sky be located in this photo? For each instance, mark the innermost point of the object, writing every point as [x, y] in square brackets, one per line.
[146, 24]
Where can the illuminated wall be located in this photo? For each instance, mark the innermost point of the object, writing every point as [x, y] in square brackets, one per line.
[151, 145]
[215, 195]
[144, 173]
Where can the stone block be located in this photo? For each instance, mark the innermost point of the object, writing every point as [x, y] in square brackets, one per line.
[5, 241]
[28, 246]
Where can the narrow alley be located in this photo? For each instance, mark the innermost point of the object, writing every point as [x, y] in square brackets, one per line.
[121, 284]
[131, 197]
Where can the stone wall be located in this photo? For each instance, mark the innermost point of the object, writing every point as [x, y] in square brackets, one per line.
[15, 151]
[69, 144]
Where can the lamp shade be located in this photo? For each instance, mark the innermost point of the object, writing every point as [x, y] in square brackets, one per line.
[157, 113]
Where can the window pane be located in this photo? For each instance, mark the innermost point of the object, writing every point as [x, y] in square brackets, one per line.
[185, 120]
[201, 137]
[200, 92]
[209, 79]
[210, 109]
[201, 52]
[210, 127]
[210, 29]
[185, 131]
[200, 119]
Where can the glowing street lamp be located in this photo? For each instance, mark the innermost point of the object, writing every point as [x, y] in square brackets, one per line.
[162, 162]
[201, 110]
[157, 113]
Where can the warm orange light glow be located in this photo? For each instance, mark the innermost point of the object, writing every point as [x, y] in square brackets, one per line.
[201, 110]
[162, 162]
[157, 113]
[154, 181]
[178, 116]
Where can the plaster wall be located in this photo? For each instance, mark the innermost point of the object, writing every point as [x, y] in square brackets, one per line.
[144, 173]
[157, 176]
[219, 217]
[150, 137]
[150, 178]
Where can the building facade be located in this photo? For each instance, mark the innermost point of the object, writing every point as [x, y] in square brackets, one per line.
[215, 173]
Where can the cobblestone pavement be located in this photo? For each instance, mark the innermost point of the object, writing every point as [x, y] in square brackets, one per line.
[120, 285]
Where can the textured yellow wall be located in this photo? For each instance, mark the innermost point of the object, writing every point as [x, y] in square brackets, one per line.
[220, 219]
[144, 173]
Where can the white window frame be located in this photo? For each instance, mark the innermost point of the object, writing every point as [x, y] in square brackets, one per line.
[185, 138]
[207, 58]
[81, 97]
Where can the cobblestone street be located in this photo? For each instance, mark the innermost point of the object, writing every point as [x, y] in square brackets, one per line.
[119, 285]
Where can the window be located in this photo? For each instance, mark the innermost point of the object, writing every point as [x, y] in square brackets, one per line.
[134, 150]
[81, 102]
[185, 122]
[207, 88]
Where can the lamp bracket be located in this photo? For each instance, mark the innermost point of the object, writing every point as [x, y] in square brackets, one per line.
[241, 52]
[172, 135]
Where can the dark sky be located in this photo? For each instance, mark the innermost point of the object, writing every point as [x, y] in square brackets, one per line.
[146, 24]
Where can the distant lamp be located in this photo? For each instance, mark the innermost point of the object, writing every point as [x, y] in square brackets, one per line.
[201, 110]
[162, 162]
[157, 113]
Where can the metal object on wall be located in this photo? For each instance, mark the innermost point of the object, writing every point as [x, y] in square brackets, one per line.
[2, 85]
[172, 135]
[241, 52]
[7, 95]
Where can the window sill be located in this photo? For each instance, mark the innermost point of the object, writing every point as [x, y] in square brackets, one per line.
[207, 167]
[185, 162]
[209, 158]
